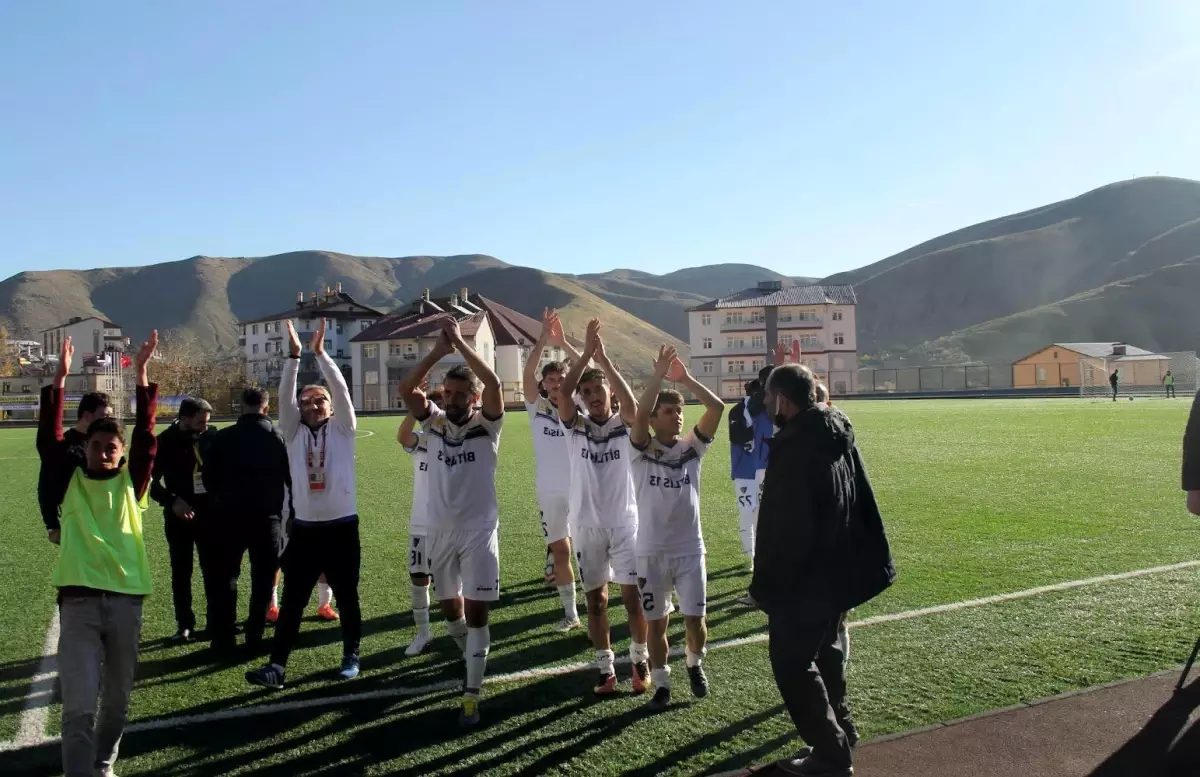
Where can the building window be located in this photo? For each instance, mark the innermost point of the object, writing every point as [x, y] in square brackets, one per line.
[339, 329]
[371, 377]
[837, 315]
[758, 341]
[341, 354]
[371, 403]
[757, 317]
[328, 344]
[733, 317]
[786, 341]
[254, 348]
[1056, 354]
[243, 330]
[254, 329]
[362, 325]
[705, 319]
[707, 344]
[756, 365]
[735, 342]
[737, 366]
[395, 349]
[839, 338]
[706, 367]
[370, 350]
[278, 346]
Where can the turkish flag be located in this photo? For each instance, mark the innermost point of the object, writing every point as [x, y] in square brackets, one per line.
[796, 350]
[126, 361]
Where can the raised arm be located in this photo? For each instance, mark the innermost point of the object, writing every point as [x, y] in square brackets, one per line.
[639, 434]
[567, 409]
[339, 392]
[530, 378]
[143, 444]
[410, 393]
[559, 339]
[619, 386]
[289, 406]
[405, 435]
[50, 409]
[493, 397]
[714, 408]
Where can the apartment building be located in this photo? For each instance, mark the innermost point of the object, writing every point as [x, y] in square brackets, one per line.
[732, 337]
[264, 339]
[92, 336]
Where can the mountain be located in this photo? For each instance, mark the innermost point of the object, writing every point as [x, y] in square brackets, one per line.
[1083, 269]
[631, 342]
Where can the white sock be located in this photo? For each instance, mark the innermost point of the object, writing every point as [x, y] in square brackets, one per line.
[324, 594]
[638, 652]
[566, 594]
[275, 596]
[661, 677]
[478, 642]
[694, 659]
[458, 630]
[604, 660]
[420, 608]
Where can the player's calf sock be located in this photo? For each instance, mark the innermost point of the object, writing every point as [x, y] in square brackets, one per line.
[661, 677]
[566, 594]
[420, 608]
[694, 659]
[324, 594]
[479, 641]
[458, 630]
[275, 596]
[638, 652]
[604, 661]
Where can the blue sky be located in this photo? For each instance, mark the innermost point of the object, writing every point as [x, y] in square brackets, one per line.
[573, 137]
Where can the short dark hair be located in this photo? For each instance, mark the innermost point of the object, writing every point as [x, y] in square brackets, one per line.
[463, 372]
[93, 402]
[550, 367]
[797, 383]
[667, 397]
[106, 425]
[193, 406]
[592, 373]
[763, 375]
[751, 387]
[254, 397]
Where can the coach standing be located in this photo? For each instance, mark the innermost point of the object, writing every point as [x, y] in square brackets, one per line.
[821, 550]
[249, 480]
[178, 486]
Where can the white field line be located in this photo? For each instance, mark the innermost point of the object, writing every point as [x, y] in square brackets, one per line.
[32, 730]
[363, 433]
[564, 669]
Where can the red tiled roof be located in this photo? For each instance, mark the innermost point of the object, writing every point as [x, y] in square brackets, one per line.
[414, 325]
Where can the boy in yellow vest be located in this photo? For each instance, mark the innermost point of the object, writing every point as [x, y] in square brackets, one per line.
[102, 573]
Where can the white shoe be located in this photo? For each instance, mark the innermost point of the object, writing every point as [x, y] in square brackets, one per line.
[564, 625]
[418, 644]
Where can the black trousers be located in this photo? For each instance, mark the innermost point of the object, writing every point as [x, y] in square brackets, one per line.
[810, 671]
[261, 537]
[187, 540]
[312, 550]
[1170, 390]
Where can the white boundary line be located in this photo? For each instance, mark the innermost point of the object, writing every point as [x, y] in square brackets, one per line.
[551, 671]
[32, 730]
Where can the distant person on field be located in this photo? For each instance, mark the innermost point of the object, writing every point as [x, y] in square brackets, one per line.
[49, 490]
[177, 485]
[103, 572]
[1191, 458]
[764, 429]
[1114, 381]
[821, 551]
[1169, 384]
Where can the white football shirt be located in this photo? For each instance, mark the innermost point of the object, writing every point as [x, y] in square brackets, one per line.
[667, 479]
[462, 471]
[602, 492]
[549, 447]
[419, 521]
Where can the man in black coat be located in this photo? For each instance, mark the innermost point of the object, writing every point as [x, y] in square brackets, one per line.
[177, 484]
[250, 481]
[821, 550]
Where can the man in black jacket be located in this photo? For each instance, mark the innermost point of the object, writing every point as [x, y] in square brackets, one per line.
[821, 550]
[177, 484]
[249, 481]
[51, 490]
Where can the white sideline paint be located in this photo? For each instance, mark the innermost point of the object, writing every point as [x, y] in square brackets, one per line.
[363, 433]
[545, 671]
[32, 730]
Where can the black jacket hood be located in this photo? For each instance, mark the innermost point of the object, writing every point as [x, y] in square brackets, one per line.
[826, 428]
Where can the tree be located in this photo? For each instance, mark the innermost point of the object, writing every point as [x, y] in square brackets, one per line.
[187, 365]
[10, 364]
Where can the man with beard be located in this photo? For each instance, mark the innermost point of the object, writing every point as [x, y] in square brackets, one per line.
[553, 471]
[821, 551]
[177, 484]
[462, 443]
[319, 430]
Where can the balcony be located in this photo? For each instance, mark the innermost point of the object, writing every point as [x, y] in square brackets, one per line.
[744, 326]
[796, 322]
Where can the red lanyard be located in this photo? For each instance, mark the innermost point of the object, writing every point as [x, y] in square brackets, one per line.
[309, 445]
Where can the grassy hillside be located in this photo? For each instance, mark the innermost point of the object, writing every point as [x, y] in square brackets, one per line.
[631, 342]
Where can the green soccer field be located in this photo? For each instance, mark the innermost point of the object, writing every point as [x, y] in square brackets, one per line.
[981, 498]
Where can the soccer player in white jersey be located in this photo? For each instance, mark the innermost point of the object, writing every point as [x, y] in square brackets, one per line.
[413, 442]
[553, 469]
[603, 507]
[670, 544]
[462, 441]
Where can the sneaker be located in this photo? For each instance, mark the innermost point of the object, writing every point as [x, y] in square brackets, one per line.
[641, 677]
[469, 714]
[183, 637]
[272, 614]
[699, 681]
[418, 644]
[747, 601]
[810, 766]
[327, 612]
[606, 685]
[270, 676]
[564, 625]
[660, 701]
[349, 667]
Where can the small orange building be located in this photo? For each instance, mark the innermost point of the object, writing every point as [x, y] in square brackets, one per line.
[1062, 364]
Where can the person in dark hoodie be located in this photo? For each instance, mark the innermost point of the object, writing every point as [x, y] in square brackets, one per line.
[177, 485]
[249, 481]
[821, 550]
[50, 490]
